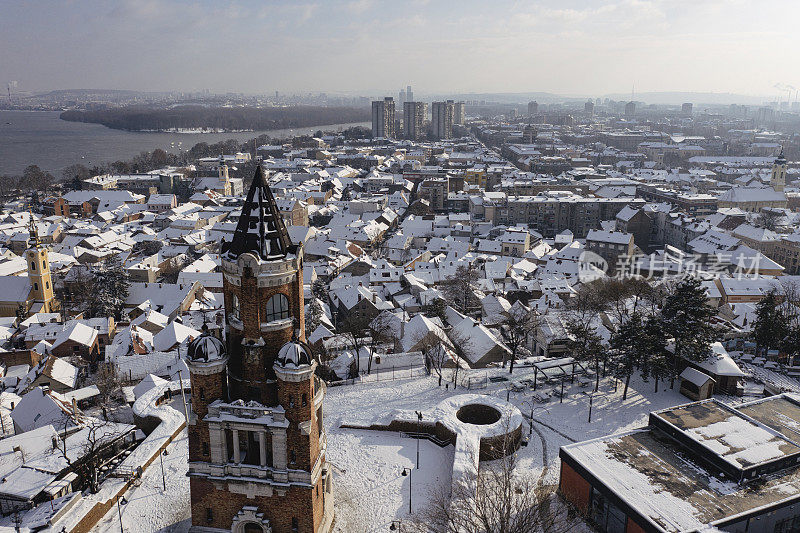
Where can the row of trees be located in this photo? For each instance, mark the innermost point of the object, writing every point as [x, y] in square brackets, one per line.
[647, 318]
[140, 118]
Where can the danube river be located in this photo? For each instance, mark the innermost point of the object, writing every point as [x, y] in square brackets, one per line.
[41, 138]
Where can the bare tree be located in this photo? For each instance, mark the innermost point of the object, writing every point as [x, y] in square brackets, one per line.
[516, 328]
[501, 500]
[355, 330]
[460, 287]
[462, 345]
[621, 298]
[380, 331]
[109, 384]
[89, 455]
[768, 219]
[437, 354]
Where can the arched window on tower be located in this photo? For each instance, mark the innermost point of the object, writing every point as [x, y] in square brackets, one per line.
[277, 308]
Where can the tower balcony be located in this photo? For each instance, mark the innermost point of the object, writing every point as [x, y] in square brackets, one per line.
[248, 413]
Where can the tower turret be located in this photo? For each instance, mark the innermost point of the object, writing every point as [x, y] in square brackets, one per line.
[207, 361]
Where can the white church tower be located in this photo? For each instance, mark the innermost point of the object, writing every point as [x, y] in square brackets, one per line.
[778, 179]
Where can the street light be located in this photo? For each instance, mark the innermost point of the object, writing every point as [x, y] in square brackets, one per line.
[119, 510]
[419, 433]
[163, 477]
[407, 472]
[533, 408]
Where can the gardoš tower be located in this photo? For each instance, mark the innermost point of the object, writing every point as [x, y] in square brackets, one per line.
[256, 441]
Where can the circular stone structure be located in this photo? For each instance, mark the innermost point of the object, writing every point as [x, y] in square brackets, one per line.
[497, 423]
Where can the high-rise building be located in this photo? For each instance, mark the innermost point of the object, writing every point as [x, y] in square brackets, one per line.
[442, 119]
[533, 108]
[402, 97]
[686, 109]
[257, 445]
[458, 113]
[630, 109]
[409, 94]
[414, 119]
[778, 178]
[383, 118]
[588, 108]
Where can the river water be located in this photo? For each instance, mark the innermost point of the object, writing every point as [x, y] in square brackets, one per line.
[41, 138]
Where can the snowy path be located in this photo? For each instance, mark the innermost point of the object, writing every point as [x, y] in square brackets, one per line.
[149, 508]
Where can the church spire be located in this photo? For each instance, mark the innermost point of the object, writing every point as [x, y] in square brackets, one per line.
[33, 231]
[261, 229]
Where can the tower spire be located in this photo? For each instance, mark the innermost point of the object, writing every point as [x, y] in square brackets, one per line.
[33, 231]
[260, 229]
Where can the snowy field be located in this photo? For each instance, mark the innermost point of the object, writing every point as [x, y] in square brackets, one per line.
[370, 491]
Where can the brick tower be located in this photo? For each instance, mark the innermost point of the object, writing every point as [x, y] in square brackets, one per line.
[256, 441]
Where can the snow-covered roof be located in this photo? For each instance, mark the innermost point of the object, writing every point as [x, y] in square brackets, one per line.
[696, 377]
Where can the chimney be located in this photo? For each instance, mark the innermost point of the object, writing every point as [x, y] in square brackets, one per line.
[74, 407]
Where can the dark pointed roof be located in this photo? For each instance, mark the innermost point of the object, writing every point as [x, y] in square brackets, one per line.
[260, 229]
[781, 160]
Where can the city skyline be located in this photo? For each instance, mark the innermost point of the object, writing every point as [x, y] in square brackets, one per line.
[574, 48]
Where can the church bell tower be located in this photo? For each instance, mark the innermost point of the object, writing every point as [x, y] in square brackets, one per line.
[39, 273]
[257, 446]
[778, 177]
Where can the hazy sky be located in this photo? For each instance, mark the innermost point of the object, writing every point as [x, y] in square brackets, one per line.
[371, 46]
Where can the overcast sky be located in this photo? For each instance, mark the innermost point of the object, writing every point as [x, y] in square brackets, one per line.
[577, 47]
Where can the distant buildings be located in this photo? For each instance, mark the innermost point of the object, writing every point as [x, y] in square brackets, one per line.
[588, 108]
[533, 108]
[414, 119]
[630, 109]
[383, 118]
[442, 119]
[686, 109]
[458, 113]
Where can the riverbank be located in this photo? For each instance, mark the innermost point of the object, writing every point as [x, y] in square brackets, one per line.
[41, 138]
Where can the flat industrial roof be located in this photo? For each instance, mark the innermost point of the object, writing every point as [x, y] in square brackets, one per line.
[673, 488]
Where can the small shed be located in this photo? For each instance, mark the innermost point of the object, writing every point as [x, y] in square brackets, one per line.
[696, 385]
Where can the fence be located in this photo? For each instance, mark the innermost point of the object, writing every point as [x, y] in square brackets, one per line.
[478, 382]
[387, 374]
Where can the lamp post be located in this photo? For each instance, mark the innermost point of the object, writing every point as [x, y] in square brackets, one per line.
[163, 477]
[419, 433]
[119, 510]
[533, 407]
[407, 472]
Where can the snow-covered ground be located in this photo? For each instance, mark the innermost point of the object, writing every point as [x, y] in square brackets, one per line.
[370, 490]
[368, 463]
